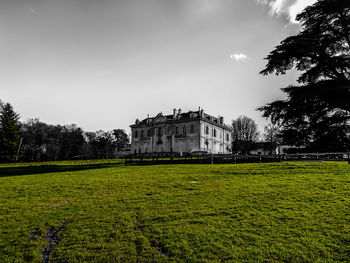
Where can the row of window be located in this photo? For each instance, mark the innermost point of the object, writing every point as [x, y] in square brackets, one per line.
[215, 133]
[184, 129]
[178, 130]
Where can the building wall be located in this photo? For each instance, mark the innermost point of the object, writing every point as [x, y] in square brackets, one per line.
[167, 137]
[214, 139]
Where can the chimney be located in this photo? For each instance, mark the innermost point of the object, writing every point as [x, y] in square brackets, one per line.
[174, 113]
[179, 112]
[221, 120]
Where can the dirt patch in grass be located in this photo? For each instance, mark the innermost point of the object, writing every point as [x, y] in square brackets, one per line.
[53, 240]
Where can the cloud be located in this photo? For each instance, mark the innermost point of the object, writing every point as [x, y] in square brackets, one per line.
[239, 57]
[299, 6]
[289, 8]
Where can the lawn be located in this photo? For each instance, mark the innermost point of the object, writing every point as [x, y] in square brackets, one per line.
[103, 211]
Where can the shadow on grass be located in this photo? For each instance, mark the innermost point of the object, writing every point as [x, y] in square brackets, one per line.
[41, 169]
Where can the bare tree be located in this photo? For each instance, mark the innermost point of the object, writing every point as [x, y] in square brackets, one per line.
[272, 135]
[245, 132]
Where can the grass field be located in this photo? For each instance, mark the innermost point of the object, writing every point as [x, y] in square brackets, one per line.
[103, 211]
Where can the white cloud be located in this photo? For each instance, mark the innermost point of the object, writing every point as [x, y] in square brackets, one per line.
[289, 8]
[277, 7]
[239, 57]
[298, 6]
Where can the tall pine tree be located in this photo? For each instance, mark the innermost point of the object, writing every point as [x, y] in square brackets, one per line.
[316, 113]
[10, 133]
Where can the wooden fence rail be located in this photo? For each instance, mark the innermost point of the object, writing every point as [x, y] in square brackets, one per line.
[175, 158]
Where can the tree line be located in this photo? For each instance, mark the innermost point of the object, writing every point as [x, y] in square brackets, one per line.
[34, 140]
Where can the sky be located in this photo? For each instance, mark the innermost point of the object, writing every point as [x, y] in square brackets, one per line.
[103, 63]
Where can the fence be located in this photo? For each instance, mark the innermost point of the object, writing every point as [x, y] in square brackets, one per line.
[176, 158]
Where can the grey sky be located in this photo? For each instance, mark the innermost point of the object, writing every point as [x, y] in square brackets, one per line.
[101, 63]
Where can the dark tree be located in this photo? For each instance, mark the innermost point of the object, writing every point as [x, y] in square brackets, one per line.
[10, 134]
[34, 135]
[90, 147]
[53, 142]
[121, 139]
[317, 110]
[245, 133]
[100, 145]
[71, 141]
[105, 144]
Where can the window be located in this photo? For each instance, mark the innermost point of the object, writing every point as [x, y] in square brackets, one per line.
[192, 129]
[149, 133]
[206, 130]
[214, 132]
[160, 131]
[142, 134]
[135, 134]
[227, 137]
[177, 130]
[184, 129]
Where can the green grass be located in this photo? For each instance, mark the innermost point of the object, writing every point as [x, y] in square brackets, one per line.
[277, 212]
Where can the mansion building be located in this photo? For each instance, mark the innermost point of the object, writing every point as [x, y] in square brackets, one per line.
[186, 132]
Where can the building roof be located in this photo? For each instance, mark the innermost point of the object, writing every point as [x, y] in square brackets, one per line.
[178, 116]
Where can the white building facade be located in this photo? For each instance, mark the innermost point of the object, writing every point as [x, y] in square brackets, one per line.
[187, 132]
